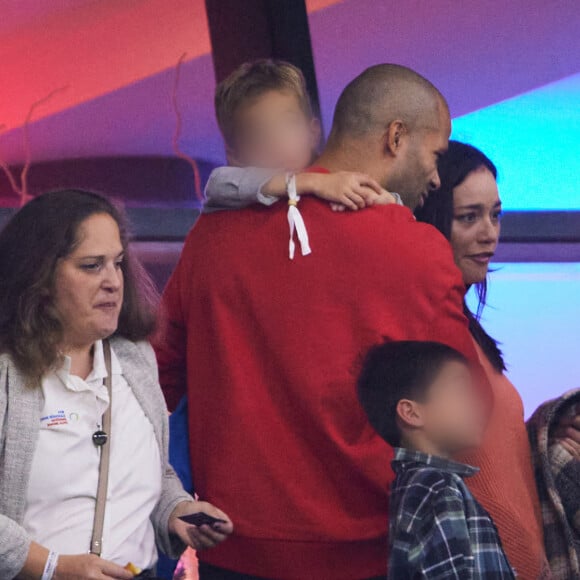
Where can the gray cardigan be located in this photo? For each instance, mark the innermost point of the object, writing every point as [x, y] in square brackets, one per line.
[20, 408]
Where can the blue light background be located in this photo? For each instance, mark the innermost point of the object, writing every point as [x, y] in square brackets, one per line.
[534, 310]
[534, 139]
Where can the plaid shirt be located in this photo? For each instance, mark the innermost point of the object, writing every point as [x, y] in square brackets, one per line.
[438, 531]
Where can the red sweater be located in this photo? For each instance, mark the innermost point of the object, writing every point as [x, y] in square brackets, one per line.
[268, 349]
[506, 486]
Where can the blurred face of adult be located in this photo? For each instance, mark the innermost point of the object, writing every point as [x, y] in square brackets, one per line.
[89, 283]
[415, 173]
[476, 224]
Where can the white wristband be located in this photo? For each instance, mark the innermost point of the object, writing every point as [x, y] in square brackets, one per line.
[295, 220]
[50, 566]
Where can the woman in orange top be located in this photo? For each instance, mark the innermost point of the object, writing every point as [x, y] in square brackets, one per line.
[467, 210]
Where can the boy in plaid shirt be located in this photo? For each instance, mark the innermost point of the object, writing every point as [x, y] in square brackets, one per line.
[421, 399]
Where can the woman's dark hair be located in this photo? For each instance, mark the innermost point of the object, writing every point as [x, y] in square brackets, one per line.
[31, 244]
[399, 370]
[455, 165]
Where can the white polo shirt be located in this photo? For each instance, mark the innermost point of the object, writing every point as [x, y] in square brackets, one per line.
[61, 494]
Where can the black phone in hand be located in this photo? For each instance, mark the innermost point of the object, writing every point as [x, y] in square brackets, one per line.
[201, 519]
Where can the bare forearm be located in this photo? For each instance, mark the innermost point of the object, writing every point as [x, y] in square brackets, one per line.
[305, 183]
[35, 562]
[70, 567]
[347, 189]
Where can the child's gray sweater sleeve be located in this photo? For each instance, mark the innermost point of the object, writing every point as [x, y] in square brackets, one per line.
[237, 187]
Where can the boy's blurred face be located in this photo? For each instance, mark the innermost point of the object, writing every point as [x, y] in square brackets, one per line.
[273, 131]
[452, 412]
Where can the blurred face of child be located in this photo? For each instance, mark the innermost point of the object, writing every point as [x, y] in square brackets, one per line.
[451, 416]
[273, 131]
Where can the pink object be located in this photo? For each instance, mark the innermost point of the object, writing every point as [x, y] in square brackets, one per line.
[187, 566]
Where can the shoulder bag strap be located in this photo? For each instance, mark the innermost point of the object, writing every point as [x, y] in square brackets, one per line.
[97, 537]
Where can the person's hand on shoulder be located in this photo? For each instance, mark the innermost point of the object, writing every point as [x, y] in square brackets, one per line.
[386, 198]
[344, 189]
[203, 536]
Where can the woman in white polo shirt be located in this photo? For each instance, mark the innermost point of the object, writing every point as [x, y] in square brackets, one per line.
[70, 293]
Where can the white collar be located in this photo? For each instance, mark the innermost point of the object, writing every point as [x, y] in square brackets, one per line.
[96, 376]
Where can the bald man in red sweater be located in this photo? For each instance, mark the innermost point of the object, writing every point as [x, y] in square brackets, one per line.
[266, 347]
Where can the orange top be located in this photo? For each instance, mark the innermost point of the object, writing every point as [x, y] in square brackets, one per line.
[505, 486]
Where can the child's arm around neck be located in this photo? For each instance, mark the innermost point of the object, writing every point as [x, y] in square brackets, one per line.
[239, 187]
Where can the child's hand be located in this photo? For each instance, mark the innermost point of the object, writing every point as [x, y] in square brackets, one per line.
[385, 198]
[345, 189]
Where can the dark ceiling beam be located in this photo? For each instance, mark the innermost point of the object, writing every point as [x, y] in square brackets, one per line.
[520, 230]
[253, 29]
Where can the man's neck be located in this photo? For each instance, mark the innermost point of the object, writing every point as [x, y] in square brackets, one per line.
[346, 157]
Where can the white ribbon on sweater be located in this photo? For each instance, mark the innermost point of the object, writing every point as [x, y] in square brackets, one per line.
[295, 220]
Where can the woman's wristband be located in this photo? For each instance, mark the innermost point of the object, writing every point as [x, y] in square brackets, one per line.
[50, 566]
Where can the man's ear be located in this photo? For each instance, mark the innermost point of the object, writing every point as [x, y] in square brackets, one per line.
[409, 413]
[395, 137]
[315, 133]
